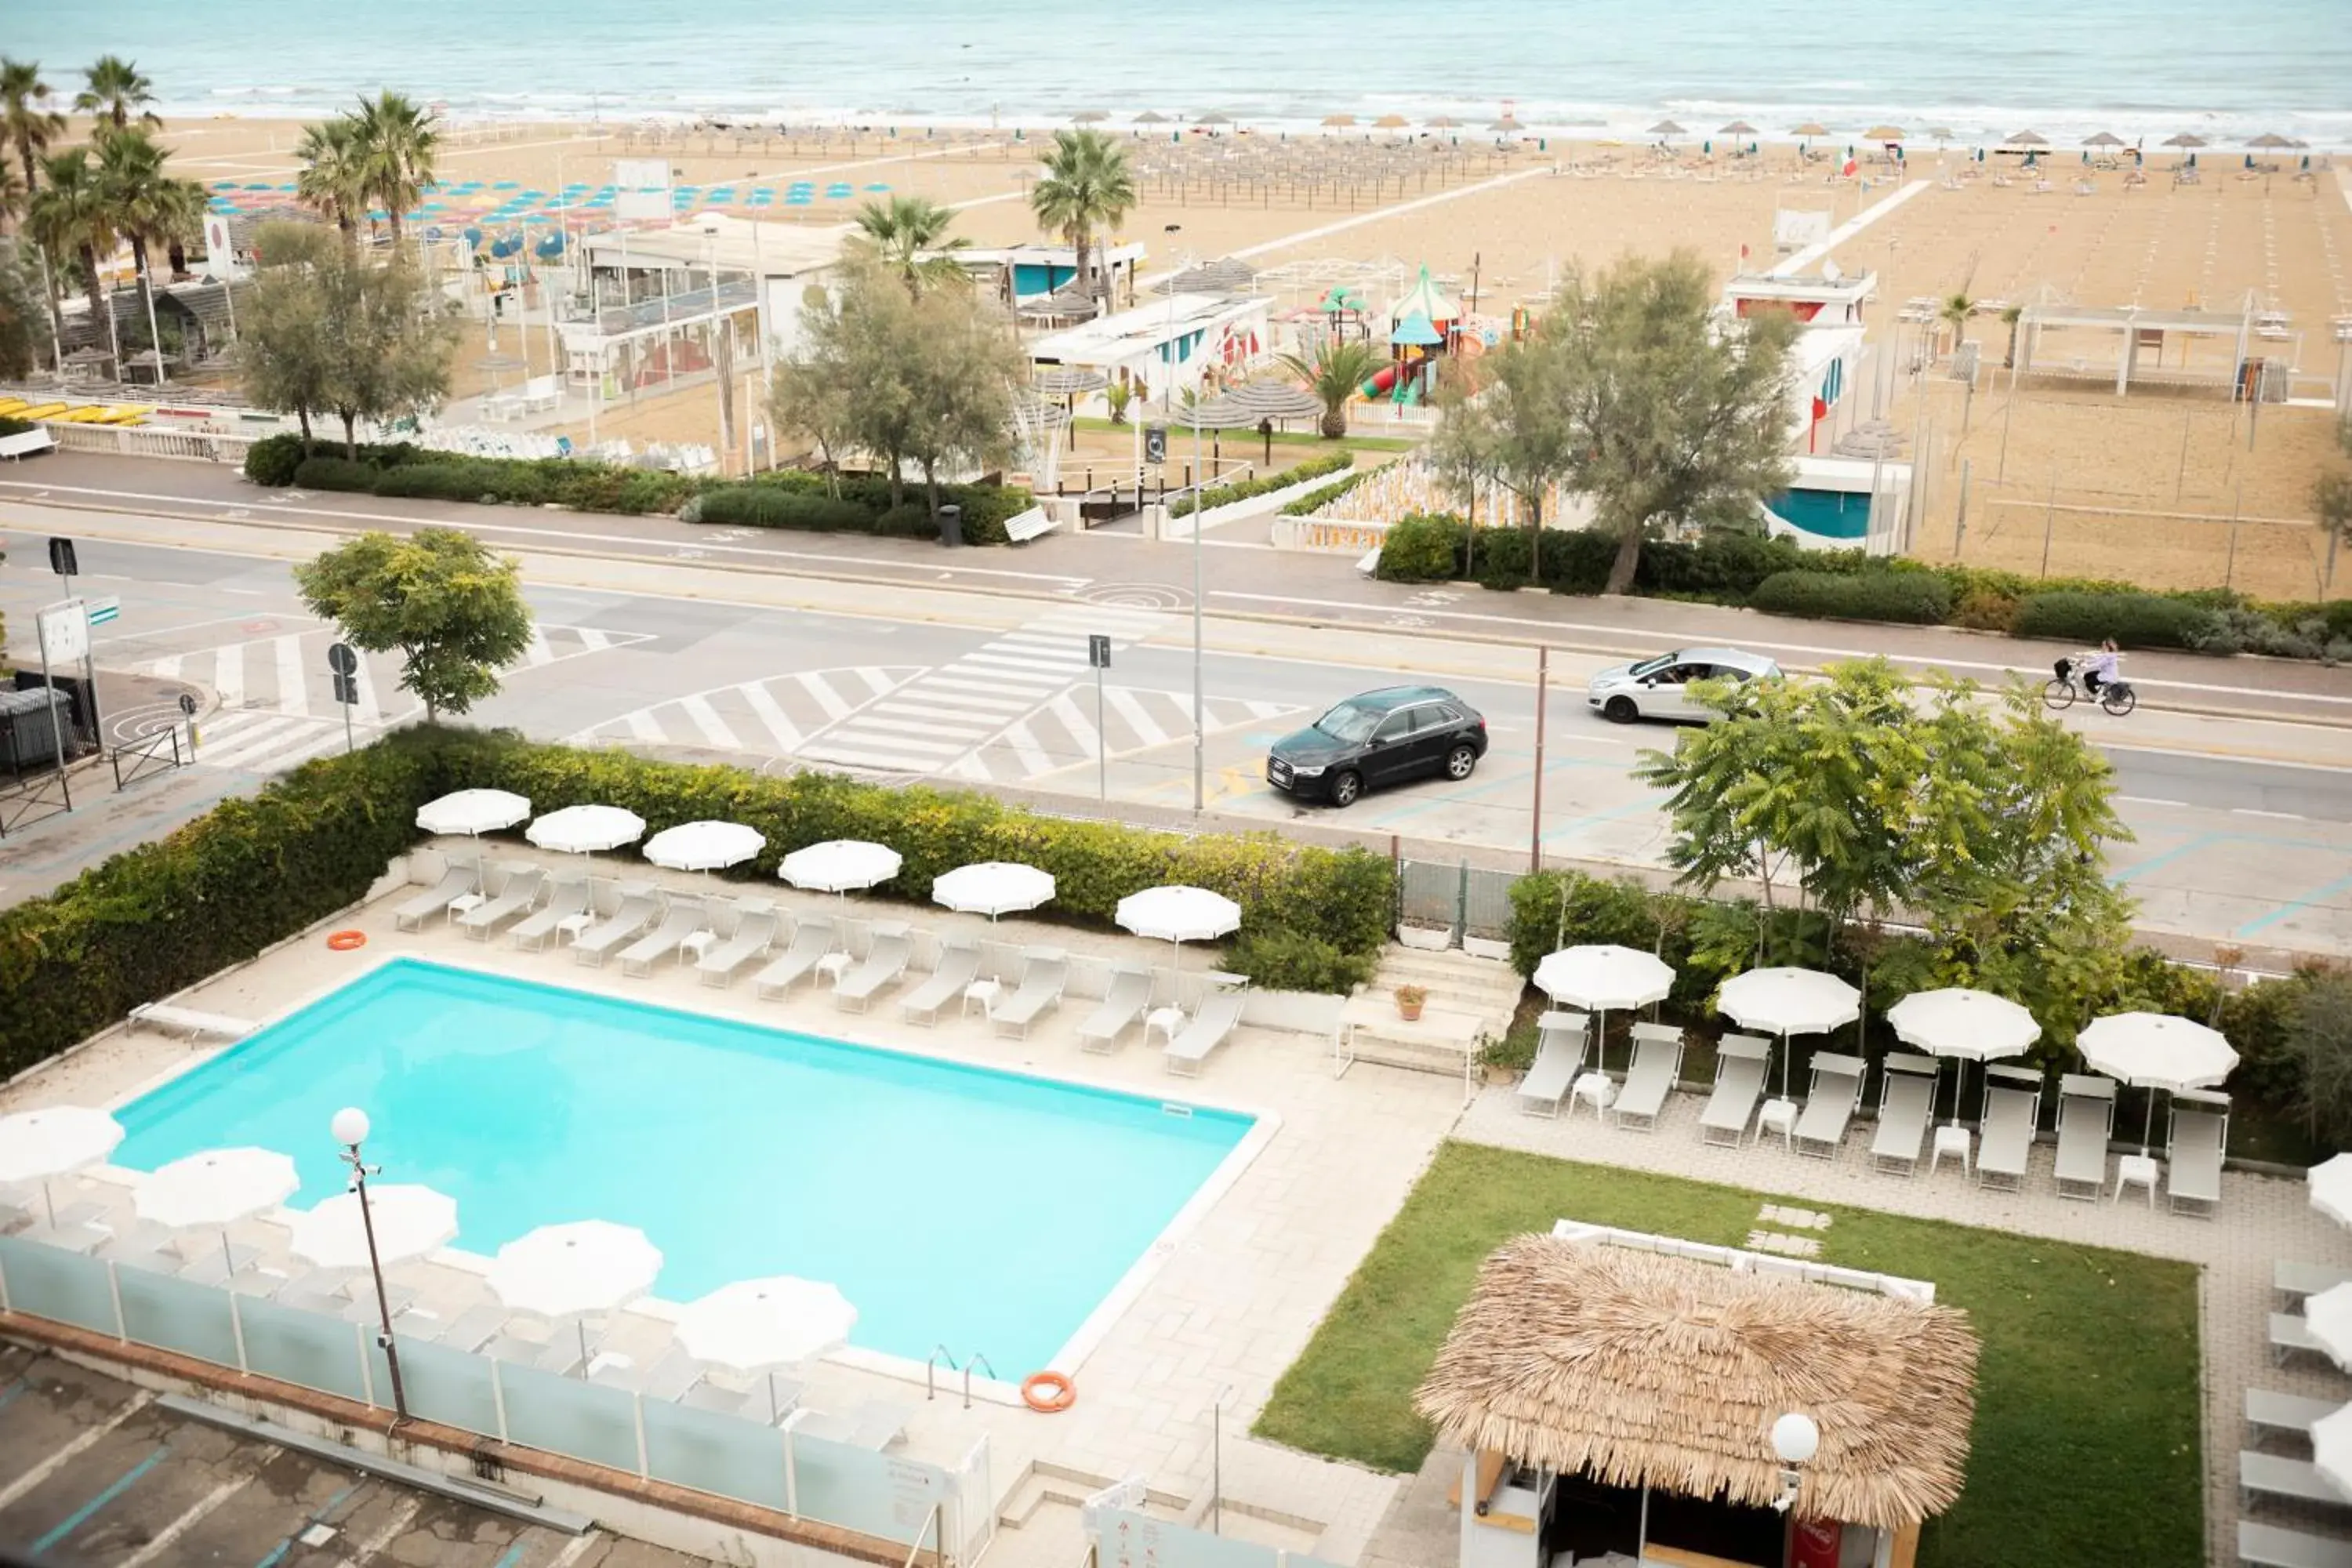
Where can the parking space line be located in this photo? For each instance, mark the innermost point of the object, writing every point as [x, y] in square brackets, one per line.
[574, 1552]
[2295, 906]
[65, 1456]
[196, 1510]
[513, 1554]
[400, 1520]
[324, 1514]
[82, 1516]
[2186, 846]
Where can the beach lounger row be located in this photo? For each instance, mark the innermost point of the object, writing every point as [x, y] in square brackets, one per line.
[1906, 1103]
[2268, 1546]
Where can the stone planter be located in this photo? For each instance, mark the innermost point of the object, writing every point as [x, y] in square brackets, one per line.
[1425, 939]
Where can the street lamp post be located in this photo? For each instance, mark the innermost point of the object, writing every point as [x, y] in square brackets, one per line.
[1796, 1438]
[1200, 726]
[350, 1130]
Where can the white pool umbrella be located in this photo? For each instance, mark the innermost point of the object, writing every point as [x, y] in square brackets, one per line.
[839, 866]
[993, 887]
[1967, 1025]
[2331, 1449]
[2155, 1050]
[2331, 1187]
[1603, 978]
[759, 1325]
[585, 829]
[216, 1189]
[1178, 914]
[704, 846]
[36, 1145]
[410, 1221]
[2329, 1316]
[473, 811]
[572, 1270]
[1787, 1002]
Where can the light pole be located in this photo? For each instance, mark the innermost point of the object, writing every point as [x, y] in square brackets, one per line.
[1796, 1438]
[350, 1130]
[1200, 726]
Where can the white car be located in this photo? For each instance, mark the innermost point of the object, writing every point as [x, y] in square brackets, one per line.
[1659, 688]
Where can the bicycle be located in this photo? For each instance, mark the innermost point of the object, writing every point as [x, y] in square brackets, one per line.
[2115, 696]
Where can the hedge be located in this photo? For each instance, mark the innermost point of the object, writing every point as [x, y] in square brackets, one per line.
[758, 506]
[252, 872]
[1323, 495]
[15, 426]
[1908, 596]
[1215, 495]
[2134, 620]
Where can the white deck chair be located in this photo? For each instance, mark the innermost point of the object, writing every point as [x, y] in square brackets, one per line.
[1741, 1063]
[2290, 1413]
[2087, 1120]
[1830, 1104]
[1207, 1031]
[2269, 1546]
[637, 910]
[755, 931]
[884, 964]
[2194, 1148]
[2293, 1480]
[1657, 1065]
[1907, 1100]
[1046, 971]
[457, 878]
[1123, 1003]
[683, 918]
[2012, 1116]
[811, 940]
[568, 898]
[1561, 1039]
[514, 897]
[957, 967]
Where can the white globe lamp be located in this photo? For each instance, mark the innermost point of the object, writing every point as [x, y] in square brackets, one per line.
[1796, 1438]
[350, 1126]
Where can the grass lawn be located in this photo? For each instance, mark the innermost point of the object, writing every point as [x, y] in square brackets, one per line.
[2087, 1446]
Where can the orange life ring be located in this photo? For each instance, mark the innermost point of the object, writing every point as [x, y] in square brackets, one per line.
[344, 940]
[1059, 1392]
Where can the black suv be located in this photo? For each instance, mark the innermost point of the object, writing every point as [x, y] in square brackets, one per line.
[1378, 738]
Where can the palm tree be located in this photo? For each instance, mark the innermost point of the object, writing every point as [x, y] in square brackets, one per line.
[115, 89]
[1955, 313]
[1335, 374]
[332, 178]
[25, 117]
[12, 196]
[396, 141]
[910, 237]
[1088, 185]
[70, 214]
[147, 205]
[2010, 317]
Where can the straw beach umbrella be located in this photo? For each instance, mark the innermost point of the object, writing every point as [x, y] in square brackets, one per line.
[2027, 139]
[36, 1145]
[1088, 117]
[1338, 122]
[1442, 122]
[1884, 134]
[1668, 130]
[1390, 122]
[1737, 128]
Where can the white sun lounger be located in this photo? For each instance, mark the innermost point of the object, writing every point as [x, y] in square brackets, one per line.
[2295, 1280]
[2289, 1335]
[681, 920]
[196, 1024]
[1043, 975]
[1907, 1100]
[568, 898]
[1128, 994]
[1560, 1041]
[515, 896]
[959, 966]
[1657, 1064]
[1740, 1062]
[873, 1424]
[755, 931]
[811, 940]
[884, 965]
[2268, 1546]
[2199, 1136]
[636, 912]
[456, 880]
[1835, 1095]
[2011, 1117]
[2295, 1480]
[1205, 1033]
[2087, 1120]
[2289, 1412]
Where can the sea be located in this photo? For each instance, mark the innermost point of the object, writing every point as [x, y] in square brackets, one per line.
[1981, 70]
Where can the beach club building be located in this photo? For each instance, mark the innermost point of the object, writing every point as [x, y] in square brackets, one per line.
[1177, 340]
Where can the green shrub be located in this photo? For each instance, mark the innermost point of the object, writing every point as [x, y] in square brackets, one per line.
[1727, 567]
[2132, 619]
[273, 459]
[1280, 960]
[1323, 495]
[1915, 598]
[1501, 557]
[912, 520]
[1420, 548]
[1215, 495]
[323, 473]
[15, 426]
[768, 506]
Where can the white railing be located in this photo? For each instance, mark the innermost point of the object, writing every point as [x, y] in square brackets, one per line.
[1340, 535]
[150, 441]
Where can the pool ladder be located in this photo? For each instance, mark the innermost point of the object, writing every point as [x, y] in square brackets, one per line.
[931, 1372]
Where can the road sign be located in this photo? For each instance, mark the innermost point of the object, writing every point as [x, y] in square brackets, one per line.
[342, 659]
[347, 691]
[187, 705]
[61, 557]
[104, 610]
[64, 631]
[1098, 652]
[1155, 443]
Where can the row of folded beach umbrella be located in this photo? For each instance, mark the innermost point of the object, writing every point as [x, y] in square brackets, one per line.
[491, 203]
[2328, 1317]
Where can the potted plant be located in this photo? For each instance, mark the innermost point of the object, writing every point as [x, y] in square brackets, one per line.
[1409, 999]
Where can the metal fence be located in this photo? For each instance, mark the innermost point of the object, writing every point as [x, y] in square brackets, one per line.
[160, 752]
[1459, 897]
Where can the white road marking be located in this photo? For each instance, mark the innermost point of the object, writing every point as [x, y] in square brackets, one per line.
[228, 675]
[780, 727]
[293, 692]
[707, 720]
[162, 1539]
[81, 1443]
[2273, 815]
[835, 705]
[1137, 718]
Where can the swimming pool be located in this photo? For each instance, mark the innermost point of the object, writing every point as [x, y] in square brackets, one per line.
[985, 1211]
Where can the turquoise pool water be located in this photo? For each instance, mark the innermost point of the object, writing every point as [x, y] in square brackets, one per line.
[986, 1211]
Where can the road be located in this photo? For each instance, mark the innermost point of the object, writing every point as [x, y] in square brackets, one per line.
[2244, 823]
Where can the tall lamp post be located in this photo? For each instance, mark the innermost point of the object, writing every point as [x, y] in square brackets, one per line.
[350, 1130]
[1200, 726]
[1796, 1438]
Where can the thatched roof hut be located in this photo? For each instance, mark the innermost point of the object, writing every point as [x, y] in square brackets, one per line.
[1642, 1370]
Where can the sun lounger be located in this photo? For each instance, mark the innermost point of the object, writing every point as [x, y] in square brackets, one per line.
[1046, 971]
[2290, 1334]
[2288, 1413]
[666, 1379]
[811, 940]
[194, 1023]
[1123, 1003]
[874, 1424]
[1740, 1061]
[2293, 1480]
[1561, 1042]
[568, 898]
[681, 920]
[457, 879]
[515, 896]
[2201, 1132]
[636, 912]
[2268, 1546]
[1205, 1033]
[2087, 1120]
[755, 929]
[474, 1328]
[1835, 1095]
[2296, 1280]
[957, 967]
[2012, 1115]
[1907, 1100]
[1657, 1063]
[884, 964]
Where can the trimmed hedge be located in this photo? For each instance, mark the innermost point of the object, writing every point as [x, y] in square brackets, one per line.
[1913, 597]
[1323, 495]
[2134, 620]
[764, 506]
[1215, 495]
[15, 426]
[253, 872]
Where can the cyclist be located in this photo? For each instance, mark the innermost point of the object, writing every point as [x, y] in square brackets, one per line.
[2098, 668]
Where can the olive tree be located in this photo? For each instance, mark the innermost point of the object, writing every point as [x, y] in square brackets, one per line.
[452, 609]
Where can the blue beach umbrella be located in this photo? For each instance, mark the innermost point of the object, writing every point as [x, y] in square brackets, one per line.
[799, 199]
[877, 188]
[259, 185]
[549, 246]
[507, 185]
[224, 184]
[473, 236]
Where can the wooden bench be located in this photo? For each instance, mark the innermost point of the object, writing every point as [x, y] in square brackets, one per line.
[196, 1024]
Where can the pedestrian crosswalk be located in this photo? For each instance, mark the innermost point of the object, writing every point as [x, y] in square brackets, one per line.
[1070, 730]
[773, 716]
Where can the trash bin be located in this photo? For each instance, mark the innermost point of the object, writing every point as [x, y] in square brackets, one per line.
[950, 525]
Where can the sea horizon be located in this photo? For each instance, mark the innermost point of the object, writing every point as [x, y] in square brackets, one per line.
[1591, 69]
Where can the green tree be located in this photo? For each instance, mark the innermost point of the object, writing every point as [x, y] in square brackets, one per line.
[1336, 373]
[1088, 185]
[23, 323]
[451, 607]
[1513, 430]
[909, 235]
[397, 142]
[333, 177]
[1953, 311]
[2320, 1034]
[72, 214]
[113, 90]
[283, 357]
[332, 330]
[29, 117]
[12, 197]
[149, 204]
[962, 363]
